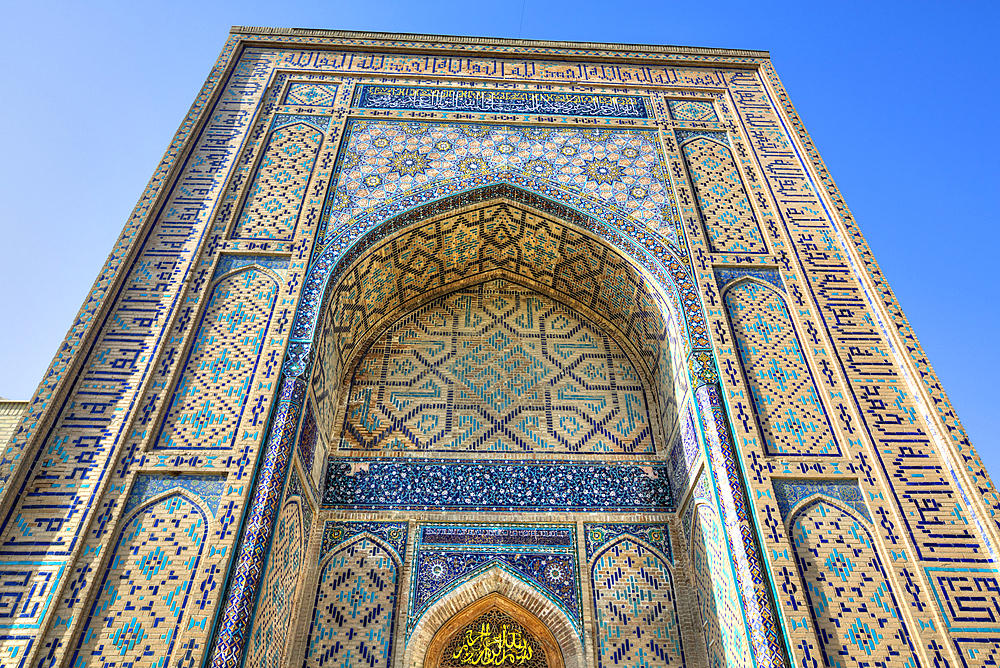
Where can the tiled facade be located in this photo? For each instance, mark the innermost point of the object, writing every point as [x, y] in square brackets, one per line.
[415, 342]
[11, 413]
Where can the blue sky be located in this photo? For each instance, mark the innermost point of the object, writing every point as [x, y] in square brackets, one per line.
[900, 98]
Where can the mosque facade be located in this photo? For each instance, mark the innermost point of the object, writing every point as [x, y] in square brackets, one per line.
[445, 352]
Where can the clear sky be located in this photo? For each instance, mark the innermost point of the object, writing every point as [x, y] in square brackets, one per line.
[900, 98]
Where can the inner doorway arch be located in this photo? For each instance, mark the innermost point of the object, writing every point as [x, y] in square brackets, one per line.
[520, 638]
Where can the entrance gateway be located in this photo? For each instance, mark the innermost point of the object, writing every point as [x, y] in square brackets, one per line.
[446, 352]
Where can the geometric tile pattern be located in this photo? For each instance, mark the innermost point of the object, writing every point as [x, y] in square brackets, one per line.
[788, 493]
[691, 110]
[499, 101]
[783, 392]
[353, 617]
[718, 600]
[728, 275]
[853, 607]
[634, 608]
[729, 220]
[235, 614]
[497, 367]
[228, 263]
[311, 94]
[382, 160]
[477, 484]
[392, 534]
[544, 556]
[462, 246]
[275, 197]
[215, 380]
[908, 433]
[278, 588]
[930, 512]
[656, 536]
[308, 437]
[146, 587]
[91, 394]
[209, 488]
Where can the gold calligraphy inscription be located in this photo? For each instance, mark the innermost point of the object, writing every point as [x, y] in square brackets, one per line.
[490, 646]
[494, 639]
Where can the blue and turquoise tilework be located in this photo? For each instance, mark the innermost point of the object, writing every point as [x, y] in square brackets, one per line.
[543, 555]
[498, 368]
[501, 101]
[783, 392]
[462, 484]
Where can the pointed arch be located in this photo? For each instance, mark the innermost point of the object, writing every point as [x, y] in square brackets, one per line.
[355, 609]
[366, 281]
[273, 202]
[254, 266]
[495, 581]
[494, 601]
[834, 552]
[163, 537]
[213, 385]
[635, 609]
[661, 265]
[784, 394]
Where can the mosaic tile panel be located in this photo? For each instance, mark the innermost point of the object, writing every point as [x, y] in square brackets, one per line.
[788, 493]
[258, 527]
[382, 160]
[144, 592]
[691, 110]
[498, 236]
[911, 366]
[354, 614]
[857, 619]
[656, 536]
[393, 534]
[543, 555]
[308, 436]
[724, 632]
[684, 452]
[229, 262]
[266, 645]
[497, 367]
[499, 101]
[634, 608]
[783, 392]
[729, 219]
[311, 94]
[274, 200]
[454, 484]
[209, 488]
[215, 381]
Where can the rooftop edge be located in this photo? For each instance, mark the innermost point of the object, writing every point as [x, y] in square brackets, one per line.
[460, 40]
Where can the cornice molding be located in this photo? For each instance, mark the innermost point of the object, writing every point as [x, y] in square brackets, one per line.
[353, 38]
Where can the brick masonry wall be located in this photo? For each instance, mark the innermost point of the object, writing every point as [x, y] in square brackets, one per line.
[325, 187]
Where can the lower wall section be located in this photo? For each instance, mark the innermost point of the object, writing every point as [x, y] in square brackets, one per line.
[144, 592]
[354, 614]
[634, 611]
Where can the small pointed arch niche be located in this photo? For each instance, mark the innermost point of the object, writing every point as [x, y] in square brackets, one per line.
[494, 631]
